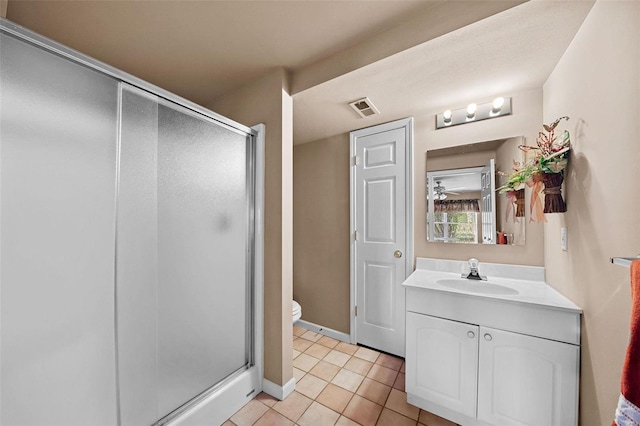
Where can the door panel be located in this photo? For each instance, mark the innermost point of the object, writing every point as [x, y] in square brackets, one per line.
[379, 184]
[442, 362]
[380, 222]
[526, 380]
[380, 155]
[379, 296]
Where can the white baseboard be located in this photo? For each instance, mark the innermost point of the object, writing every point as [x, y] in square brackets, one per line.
[277, 391]
[338, 335]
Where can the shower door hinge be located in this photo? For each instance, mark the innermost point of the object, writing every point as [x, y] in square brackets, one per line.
[356, 160]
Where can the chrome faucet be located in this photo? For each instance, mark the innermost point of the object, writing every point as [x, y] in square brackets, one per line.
[473, 268]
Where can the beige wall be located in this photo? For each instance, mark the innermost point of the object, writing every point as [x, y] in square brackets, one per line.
[321, 231]
[597, 84]
[267, 101]
[3, 8]
[525, 121]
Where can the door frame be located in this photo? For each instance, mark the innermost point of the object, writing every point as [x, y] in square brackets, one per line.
[407, 124]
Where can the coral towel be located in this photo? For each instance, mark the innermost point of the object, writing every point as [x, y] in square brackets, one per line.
[628, 411]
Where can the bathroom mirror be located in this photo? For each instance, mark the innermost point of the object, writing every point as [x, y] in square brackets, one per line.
[462, 203]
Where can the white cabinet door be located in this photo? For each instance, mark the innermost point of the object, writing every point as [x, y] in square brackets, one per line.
[442, 362]
[525, 380]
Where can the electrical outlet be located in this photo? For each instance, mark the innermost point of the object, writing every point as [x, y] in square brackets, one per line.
[563, 239]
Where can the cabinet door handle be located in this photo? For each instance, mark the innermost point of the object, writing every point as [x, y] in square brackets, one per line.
[471, 334]
[487, 337]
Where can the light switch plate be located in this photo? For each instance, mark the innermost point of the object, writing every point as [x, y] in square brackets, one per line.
[563, 239]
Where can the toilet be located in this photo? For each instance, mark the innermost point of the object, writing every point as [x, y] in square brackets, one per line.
[297, 311]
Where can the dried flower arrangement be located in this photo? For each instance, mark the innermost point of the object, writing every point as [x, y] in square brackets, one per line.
[544, 173]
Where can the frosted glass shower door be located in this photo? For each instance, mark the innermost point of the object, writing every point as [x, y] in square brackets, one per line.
[57, 208]
[184, 257]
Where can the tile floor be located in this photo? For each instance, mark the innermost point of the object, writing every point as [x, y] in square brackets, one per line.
[338, 384]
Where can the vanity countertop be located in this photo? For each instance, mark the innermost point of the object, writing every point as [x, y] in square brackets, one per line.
[532, 290]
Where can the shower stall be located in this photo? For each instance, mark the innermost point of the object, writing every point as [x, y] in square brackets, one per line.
[130, 247]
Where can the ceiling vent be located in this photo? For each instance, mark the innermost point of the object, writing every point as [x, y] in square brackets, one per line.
[364, 107]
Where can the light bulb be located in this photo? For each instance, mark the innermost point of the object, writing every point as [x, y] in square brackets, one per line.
[471, 110]
[447, 117]
[497, 103]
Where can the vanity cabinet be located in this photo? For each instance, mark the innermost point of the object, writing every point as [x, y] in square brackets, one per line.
[480, 375]
[471, 361]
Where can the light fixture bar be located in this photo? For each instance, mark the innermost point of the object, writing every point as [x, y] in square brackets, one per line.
[496, 108]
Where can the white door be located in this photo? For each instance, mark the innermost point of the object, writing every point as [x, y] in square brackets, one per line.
[442, 362]
[525, 380]
[488, 176]
[380, 184]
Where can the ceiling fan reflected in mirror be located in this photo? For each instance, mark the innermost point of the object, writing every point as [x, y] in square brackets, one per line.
[440, 192]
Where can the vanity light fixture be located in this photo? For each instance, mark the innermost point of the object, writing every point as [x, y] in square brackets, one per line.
[474, 112]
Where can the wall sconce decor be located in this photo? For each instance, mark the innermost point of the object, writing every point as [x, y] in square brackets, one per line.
[474, 112]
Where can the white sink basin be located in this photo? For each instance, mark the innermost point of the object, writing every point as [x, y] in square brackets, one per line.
[473, 286]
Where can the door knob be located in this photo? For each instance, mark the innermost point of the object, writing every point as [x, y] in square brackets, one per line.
[488, 337]
[471, 334]
[397, 253]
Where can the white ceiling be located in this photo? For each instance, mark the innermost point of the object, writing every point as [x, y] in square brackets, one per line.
[201, 49]
[514, 50]
[408, 56]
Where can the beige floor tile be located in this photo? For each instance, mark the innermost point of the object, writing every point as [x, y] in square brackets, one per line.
[358, 365]
[273, 418]
[310, 386]
[317, 351]
[362, 411]
[296, 353]
[301, 344]
[298, 374]
[318, 415]
[228, 423]
[298, 331]
[346, 348]
[397, 402]
[389, 361]
[399, 383]
[310, 335]
[348, 380]
[382, 374]
[391, 418]
[431, 419]
[293, 406]
[402, 369]
[335, 397]
[374, 391]
[329, 342]
[248, 414]
[345, 421]
[266, 399]
[337, 358]
[324, 370]
[367, 354]
[305, 362]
